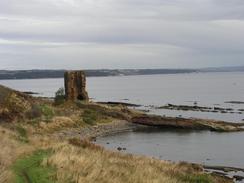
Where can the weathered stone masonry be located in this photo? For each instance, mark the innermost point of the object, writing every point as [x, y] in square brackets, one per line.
[75, 85]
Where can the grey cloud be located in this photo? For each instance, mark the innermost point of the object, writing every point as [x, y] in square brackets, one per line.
[167, 33]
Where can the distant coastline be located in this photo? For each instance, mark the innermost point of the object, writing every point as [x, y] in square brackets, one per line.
[43, 74]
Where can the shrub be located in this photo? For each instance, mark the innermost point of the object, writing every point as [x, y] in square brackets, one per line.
[40, 111]
[59, 96]
[47, 111]
[34, 112]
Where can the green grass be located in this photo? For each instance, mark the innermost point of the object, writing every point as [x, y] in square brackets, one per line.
[30, 170]
[90, 116]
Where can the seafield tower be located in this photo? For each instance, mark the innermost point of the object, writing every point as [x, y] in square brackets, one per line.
[75, 86]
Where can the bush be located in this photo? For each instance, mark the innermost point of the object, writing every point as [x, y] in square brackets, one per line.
[59, 96]
[47, 111]
[38, 112]
[34, 112]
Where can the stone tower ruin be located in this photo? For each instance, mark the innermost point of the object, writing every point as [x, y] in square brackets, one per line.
[75, 86]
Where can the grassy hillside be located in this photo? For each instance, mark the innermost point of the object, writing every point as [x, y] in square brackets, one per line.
[32, 152]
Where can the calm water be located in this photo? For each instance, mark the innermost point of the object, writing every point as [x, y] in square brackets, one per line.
[210, 148]
[207, 89]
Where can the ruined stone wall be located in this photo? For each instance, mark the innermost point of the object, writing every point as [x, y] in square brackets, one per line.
[75, 85]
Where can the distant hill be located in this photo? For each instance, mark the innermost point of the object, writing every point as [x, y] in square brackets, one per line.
[223, 69]
[38, 74]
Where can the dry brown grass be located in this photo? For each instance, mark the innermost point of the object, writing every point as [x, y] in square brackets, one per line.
[71, 115]
[11, 148]
[56, 123]
[13, 104]
[83, 162]
[86, 162]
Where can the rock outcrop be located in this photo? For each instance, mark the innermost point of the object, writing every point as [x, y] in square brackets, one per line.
[75, 85]
[184, 123]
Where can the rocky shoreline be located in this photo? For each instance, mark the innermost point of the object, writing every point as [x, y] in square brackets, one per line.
[146, 121]
[187, 123]
[197, 108]
[91, 132]
[236, 174]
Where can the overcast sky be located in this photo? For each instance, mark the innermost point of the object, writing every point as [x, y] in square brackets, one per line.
[94, 34]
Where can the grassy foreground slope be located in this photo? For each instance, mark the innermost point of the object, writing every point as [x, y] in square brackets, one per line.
[31, 153]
